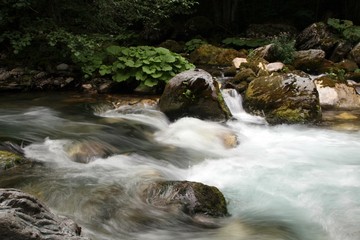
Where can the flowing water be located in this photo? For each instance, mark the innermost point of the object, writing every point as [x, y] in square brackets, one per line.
[281, 182]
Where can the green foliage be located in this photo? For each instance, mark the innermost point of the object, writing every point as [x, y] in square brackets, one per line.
[245, 42]
[337, 74]
[284, 48]
[346, 28]
[149, 65]
[193, 44]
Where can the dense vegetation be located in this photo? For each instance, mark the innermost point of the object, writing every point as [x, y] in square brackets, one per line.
[40, 34]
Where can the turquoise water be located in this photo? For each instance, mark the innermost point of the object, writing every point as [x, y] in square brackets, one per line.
[280, 182]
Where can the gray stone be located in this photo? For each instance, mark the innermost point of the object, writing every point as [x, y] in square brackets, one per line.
[24, 217]
[193, 93]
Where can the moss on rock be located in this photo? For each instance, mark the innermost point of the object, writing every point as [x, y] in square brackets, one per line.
[10, 160]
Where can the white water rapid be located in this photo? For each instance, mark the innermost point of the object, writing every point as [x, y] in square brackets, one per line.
[285, 182]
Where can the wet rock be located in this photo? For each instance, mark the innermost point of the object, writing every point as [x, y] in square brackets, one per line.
[210, 55]
[193, 93]
[286, 98]
[24, 217]
[191, 198]
[334, 95]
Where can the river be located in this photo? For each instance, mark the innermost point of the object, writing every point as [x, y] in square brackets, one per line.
[293, 182]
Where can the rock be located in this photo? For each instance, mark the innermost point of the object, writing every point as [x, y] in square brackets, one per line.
[286, 98]
[267, 52]
[24, 217]
[210, 55]
[11, 155]
[335, 95]
[86, 151]
[62, 67]
[347, 65]
[10, 160]
[274, 67]
[193, 93]
[317, 36]
[355, 54]
[346, 116]
[309, 60]
[341, 51]
[191, 198]
[238, 61]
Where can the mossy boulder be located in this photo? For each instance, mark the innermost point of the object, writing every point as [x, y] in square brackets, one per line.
[191, 198]
[284, 98]
[194, 93]
[208, 54]
[9, 160]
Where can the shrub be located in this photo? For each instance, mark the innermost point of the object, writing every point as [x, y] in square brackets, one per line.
[284, 48]
[346, 28]
[149, 65]
[193, 44]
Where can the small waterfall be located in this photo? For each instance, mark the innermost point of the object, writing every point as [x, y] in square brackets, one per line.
[234, 102]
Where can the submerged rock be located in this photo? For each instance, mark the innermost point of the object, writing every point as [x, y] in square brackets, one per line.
[193, 93]
[24, 217]
[287, 98]
[191, 198]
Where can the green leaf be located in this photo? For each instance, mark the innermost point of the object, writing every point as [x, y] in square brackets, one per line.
[130, 63]
[148, 69]
[150, 82]
[168, 58]
[114, 50]
[157, 75]
[141, 76]
[104, 70]
[121, 77]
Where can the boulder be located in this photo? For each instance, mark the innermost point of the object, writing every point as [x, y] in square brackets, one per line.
[267, 52]
[317, 36]
[341, 50]
[191, 198]
[309, 60]
[211, 55]
[334, 95]
[193, 93]
[24, 217]
[355, 53]
[284, 98]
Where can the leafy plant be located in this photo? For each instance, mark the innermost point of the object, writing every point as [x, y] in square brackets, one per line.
[146, 64]
[193, 44]
[284, 48]
[346, 28]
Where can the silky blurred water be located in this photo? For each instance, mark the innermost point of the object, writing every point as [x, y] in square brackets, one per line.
[281, 182]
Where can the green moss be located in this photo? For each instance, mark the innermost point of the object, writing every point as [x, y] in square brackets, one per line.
[289, 115]
[9, 160]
